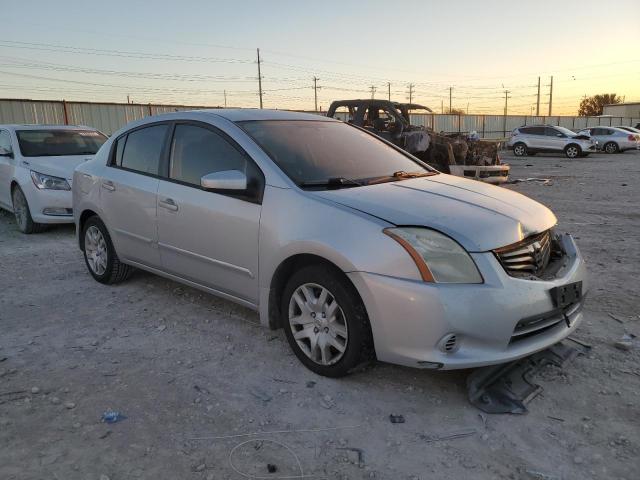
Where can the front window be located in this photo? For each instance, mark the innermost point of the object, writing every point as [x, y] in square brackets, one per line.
[318, 151]
[52, 143]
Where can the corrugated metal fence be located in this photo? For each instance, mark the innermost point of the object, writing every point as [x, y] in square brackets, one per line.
[106, 117]
[109, 117]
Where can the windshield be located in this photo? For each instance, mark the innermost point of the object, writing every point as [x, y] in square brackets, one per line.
[566, 131]
[318, 151]
[51, 143]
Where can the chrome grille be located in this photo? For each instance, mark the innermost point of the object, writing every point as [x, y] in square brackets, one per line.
[530, 256]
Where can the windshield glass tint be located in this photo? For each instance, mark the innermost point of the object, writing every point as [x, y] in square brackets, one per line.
[566, 131]
[50, 143]
[310, 151]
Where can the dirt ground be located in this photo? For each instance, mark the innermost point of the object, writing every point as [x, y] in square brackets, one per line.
[184, 367]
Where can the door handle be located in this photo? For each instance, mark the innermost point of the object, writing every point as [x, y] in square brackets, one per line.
[169, 204]
[108, 185]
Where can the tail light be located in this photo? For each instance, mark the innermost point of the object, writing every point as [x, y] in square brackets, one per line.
[633, 137]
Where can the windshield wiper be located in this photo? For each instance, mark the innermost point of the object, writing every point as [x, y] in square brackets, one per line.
[400, 175]
[332, 183]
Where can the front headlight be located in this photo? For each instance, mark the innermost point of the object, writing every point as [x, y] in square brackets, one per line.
[438, 258]
[48, 182]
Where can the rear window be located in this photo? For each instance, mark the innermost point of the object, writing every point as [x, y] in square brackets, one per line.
[52, 143]
[142, 149]
[532, 130]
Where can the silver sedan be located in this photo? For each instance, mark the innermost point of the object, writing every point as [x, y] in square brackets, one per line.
[354, 247]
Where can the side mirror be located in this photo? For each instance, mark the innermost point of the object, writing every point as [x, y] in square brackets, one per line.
[225, 180]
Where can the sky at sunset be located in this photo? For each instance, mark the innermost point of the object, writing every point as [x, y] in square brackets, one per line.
[192, 52]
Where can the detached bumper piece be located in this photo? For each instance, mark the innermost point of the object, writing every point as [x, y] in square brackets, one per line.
[508, 388]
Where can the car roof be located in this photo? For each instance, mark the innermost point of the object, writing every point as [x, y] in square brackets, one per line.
[249, 114]
[45, 126]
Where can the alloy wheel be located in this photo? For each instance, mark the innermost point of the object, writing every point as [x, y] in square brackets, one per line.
[610, 148]
[519, 150]
[318, 324]
[95, 249]
[572, 152]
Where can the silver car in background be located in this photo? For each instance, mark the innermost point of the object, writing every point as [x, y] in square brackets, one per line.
[532, 139]
[354, 247]
[612, 139]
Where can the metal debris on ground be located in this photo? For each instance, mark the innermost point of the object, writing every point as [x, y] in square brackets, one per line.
[360, 453]
[396, 418]
[619, 320]
[543, 181]
[509, 387]
[111, 416]
[448, 436]
[311, 384]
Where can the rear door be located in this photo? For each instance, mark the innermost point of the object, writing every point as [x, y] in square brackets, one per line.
[129, 193]
[209, 237]
[534, 137]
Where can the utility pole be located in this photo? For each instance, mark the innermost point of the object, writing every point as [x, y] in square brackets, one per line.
[128, 99]
[411, 86]
[259, 79]
[506, 97]
[450, 98]
[373, 91]
[441, 106]
[550, 95]
[225, 99]
[389, 89]
[538, 102]
[315, 92]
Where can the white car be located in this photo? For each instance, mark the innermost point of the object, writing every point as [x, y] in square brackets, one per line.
[36, 171]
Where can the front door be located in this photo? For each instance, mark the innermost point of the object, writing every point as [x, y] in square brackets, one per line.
[129, 194]
[7, 167]
[209, 237]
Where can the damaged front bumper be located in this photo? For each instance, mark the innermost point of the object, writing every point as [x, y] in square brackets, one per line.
[450, 326]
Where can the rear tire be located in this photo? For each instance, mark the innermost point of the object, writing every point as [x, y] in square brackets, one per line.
[100, 255]
[312, 292]
[23, 214]
[610, 147]
[520, 150]
[572, 151]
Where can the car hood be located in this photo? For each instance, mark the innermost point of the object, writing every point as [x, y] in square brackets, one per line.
[60, 166]
[479, 216]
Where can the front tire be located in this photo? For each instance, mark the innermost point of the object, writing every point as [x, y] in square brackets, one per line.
[610, 147]
[572, 151]
[520, 150]
[23, 214]
[100, 255]
[325, 322]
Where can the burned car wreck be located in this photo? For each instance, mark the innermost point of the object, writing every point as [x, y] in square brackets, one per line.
[457, 154]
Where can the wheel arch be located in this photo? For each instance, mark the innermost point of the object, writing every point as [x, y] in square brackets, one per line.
[283, 272]
[84, 216]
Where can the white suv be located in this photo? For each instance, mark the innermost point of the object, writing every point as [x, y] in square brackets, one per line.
[36, 170]
[530, 140]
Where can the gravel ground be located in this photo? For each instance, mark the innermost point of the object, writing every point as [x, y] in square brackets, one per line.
[184, 366]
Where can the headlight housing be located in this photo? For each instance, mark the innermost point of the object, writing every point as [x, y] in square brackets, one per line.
[49, 182]
[438, 258]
